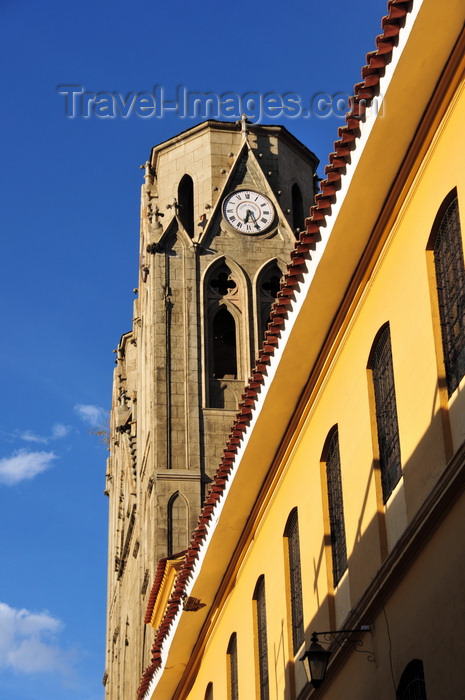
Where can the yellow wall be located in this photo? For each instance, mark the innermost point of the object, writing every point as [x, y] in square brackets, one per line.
[397, 291]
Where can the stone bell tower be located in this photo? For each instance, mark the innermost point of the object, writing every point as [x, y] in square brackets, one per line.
[221, 206]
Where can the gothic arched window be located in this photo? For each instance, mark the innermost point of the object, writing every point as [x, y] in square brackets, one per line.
[225, 347]
[446, 243]
[186, 203]
[382, 374]
[332, 462]
[262, 639]
[412, 682]
[178, 519]
[291, 533]
[297, 208]
[233, 691]
[268, 287]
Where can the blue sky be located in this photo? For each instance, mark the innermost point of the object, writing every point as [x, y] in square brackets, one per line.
[70, 233]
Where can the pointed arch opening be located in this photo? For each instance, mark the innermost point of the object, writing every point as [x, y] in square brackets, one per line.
[225, 334]
[186, 203]
[178, 524]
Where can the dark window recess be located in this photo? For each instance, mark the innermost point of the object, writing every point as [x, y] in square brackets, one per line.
[450, 281]
[297, 208]
[145, 583]
[262, 640]
[412, 682]
[386, 413]
[336, 508]
[233, 678]
[186, 203]
[268, 289]
[295, 580]
[224, 345]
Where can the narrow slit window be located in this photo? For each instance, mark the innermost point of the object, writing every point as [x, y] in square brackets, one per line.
[262, 640]
[233, 693]
[178, 527]
[297, 208]
[186, 204]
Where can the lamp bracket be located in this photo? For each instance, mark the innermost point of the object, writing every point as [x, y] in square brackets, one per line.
[345, 637]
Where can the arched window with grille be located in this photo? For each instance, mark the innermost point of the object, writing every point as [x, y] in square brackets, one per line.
[186, 203]
[412, 682]
[382, 376]
[291, 534]
[233, 690]
[332, 465]
[446, 244]
[261, 639]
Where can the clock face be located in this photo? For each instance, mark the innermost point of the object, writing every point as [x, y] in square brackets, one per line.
[248, 211]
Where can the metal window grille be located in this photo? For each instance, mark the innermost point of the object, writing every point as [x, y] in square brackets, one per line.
[386, 414]
[450, 281]
[412, 682]
[336, 508]
[262, 640]
[297, 611]
[233, 677]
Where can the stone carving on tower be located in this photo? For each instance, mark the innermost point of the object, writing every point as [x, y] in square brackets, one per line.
[220, 208]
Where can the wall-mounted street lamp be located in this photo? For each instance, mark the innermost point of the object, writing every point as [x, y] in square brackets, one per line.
[315, 659]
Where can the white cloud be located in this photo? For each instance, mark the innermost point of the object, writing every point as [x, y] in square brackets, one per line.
[29, 436]
[28, 642]
[93, 415]
[58, 431]
[24, 465]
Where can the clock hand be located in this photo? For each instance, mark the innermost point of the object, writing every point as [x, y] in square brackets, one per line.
[254, 220]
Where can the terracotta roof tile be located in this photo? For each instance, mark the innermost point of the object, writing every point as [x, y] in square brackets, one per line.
[155, 588]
